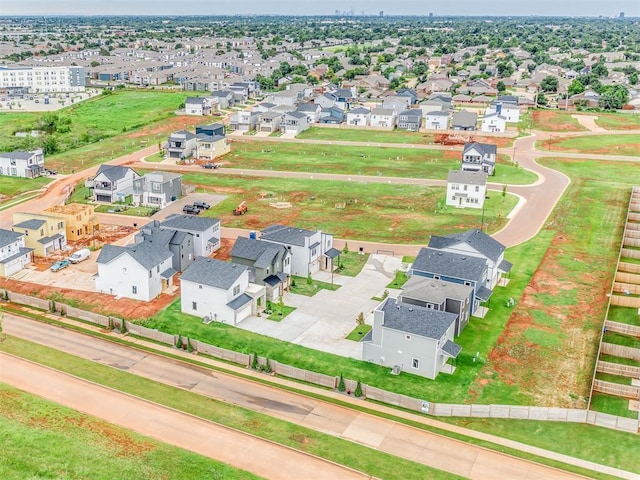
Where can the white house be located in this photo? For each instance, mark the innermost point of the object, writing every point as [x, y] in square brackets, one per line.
[493, 123]
[294, 122]
[13, 254]
[383, 117]
[205, 231]
[197, 106]
[436, 120]
[112, 183]
[509, 110]
[310, 250]
[466, 189]
[479, 157]
[411, 338]
[22, 164]
[218, 290]
[359, 117]
[140, 271]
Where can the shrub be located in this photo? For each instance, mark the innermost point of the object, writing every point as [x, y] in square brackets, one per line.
[346, 248]
[123, 327]
[358, 391]
[267, 365]
[293, 282]
[179, 342]
[309, 279]
[360, 319]
[254, 361]
[52, 306]
[189, 346]
[341, 386]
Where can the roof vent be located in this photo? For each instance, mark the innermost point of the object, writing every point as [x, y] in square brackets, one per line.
[208, 260]
[411, 309]
[464, 258]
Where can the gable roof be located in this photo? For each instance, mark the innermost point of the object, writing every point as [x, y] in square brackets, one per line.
[426, 322]
[261, 253]
[438, 262]
[31, 224]
[464, 118]
[467, 177]
[189, 222]
[7, 237]
[283, 234]
[434, 291]
[212, 272]
[482, 148]
[146, 254]
[18, 155]
[477, 239]
[114, 172]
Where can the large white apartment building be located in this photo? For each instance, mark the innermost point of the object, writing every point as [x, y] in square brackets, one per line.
[42, 79]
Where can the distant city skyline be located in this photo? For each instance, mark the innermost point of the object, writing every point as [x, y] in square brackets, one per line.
[611, 8]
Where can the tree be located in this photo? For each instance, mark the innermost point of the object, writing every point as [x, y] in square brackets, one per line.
[360, 319]
[501, 87]
[549, 84]
[341, 386]
[541, 99]
[613, 97]
[575, 87]
[599, 69]
[346, 248]
[358, 390]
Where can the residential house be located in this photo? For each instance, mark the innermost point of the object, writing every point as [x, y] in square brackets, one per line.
[383, 117]
[290, 98]
[464, 120]
[437, 120]
[308, 248]
[213, 130]
[22, 164]
[141, 271]
[112, 183]
[455, 268]
[479, 157]
[219, 291]
[294, 122]
[270, 121]
[205, 231]
[411, 338]
[332, 115]
[466, 189]
[244, 121]
[14, 255]
[360, 116]
[181, 144]
[269, 264]
[476, 243]
[209, 147]
[326, 100]
[197, 106]
[409, 93]
[397, 103]
[311, 110]
[344, 97]
[439, 295]
[79, 219]
[44, 234]
[507, 109]
[493, 123]
[222, 98]
[179, 243]
[410, 120]
[157, 189]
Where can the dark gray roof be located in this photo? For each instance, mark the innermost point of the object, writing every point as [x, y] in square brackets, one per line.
[477, 239]
[32, 224]
[239, 302]
[438, 113]
[483, 294]
[147, 254]
[360, 111]
[332, 253]
[434, 291]
[262, 254]
[482, 148]
[437, 262]
[416, 320]
[189, 223]
[468, 177]
[464, 118]
[274, 280]
[296, 114]
[52, 238]
[7, 237]
[168, 273]
[194, 100]
[451, 349]
[21, 251]
[412, 112]
[17, 155]
[212, 272]
[183, 133]
[221, 93]
[113, 172]
[505, 266]
[203, 137]
[307, 107]
[288, 235]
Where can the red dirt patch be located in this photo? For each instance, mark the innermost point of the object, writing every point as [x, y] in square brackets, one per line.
[552, 120]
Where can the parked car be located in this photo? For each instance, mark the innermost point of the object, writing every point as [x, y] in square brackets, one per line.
[210, 165]
[191, 209]
[80, 255]
[202, 205]
[60, 265]
[49, 171]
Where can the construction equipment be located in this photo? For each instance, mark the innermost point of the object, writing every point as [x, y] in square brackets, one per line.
[241, 209]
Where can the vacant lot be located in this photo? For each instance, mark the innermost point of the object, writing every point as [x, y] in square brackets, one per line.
[596, 144]
[376, 161]
[618, 121]
[42, 439]
[555, 121]
[12, 186]
[352, 210]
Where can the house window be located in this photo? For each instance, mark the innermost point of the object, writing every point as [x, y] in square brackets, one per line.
[477, 188]
[194, 306]
[436, 277]
[314, 252]
[407, 337]
[468, 284]
[415, 363]
[124, 271]
[60, 226]
[200, 287]
[236, 290]
[286, 261]
[134, 289]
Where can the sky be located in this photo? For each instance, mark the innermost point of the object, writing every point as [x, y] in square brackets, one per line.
[592, 8]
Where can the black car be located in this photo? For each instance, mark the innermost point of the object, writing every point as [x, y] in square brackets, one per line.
[191, 209]
[202, 205]
[49, 171]
[210, 165]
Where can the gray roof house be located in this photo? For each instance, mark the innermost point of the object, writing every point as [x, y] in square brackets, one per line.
[179, 243]
[112, 183]
[294, 122]
[437, 120]
[464, 120]
[410, 120]
[455, 268]
[205, 231]
[22, 164]
[181, 144]
[466, 189]
[219, 291]
[13, 253]
[157, 189]
[479, 157]
[411, 338]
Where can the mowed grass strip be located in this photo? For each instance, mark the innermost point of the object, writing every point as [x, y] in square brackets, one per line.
[554, 121]
[42, 439]
[355, 160]
[618, 121]
[624, 145]
[12, 186]
[374, 462]
[361, 211]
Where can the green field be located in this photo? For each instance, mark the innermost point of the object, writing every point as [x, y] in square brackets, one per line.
[594, 144]
[41, 439]
[375, 161]
[554, 121]
[369, 136]
[618, 121]
[12, 186]
[375, 212]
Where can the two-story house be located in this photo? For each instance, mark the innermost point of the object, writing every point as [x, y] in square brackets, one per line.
[217, 291]
[437, 120]
[14, 256]
[157, 189]
[410, 120]
[269, 264]
[331, 115]
[411, 338]
[307, 247]
[507, 107]
[44, 234]
[455, 268]
[210, 147]
[294, 122]
[112, 183]
[181, 144]
[360, 116]
[479, 157]
[270, 121]
[212, 129]
[222, 98]
[466, 189]
[383, 117]
[464, 120]
[476, 243]
[79, 219]
[244, 121]
[205, 231]
[396, 103]
[311, 110]
[197, 106]
[179, 243]
[493, 123]
[22, 164]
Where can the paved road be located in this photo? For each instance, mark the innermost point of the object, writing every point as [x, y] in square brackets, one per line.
[391, 437]
[263, 458]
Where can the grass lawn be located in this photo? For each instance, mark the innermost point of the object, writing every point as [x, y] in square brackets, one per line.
[399, 280]
[127, 210]
[42, 439]
[619, 339]
[375, 212]
[351, 263]
[378, 464]
[359, 332]
[554, 121]
[624, 315]
[12, 186]
[408, 259]
[620, 360]
[302, 286]
[618, 121]
[278, 312]
[596, 144]
[619, 406]
[373, 136]
[375, 161]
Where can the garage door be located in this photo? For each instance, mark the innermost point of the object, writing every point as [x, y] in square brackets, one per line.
[243, 313]
[13, 267]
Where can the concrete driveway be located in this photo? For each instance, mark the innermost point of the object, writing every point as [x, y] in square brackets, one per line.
[76, 276]
[323, 321]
